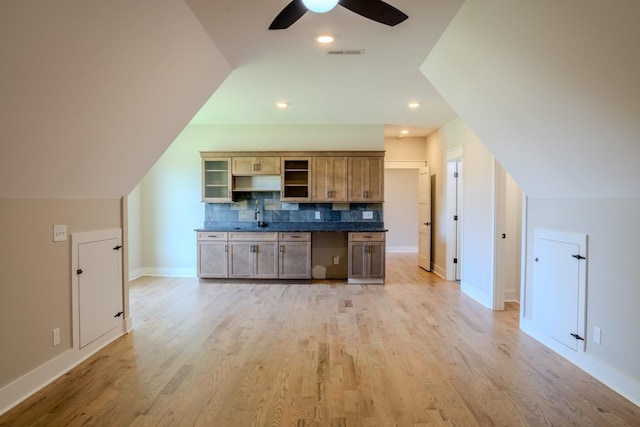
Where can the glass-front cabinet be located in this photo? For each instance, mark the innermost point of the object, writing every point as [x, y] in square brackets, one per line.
[216, 177]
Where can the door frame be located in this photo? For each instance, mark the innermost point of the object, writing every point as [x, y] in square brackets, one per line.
[454, 202]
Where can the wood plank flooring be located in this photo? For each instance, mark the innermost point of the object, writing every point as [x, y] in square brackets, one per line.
[415, 352]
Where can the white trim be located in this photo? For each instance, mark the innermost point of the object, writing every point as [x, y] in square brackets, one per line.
[136, 273]
[438, 271]
[33, 381]
[456, 153]
[168, 272]
[404, 164]
[402, 249]
[622, 384]
[510, 296]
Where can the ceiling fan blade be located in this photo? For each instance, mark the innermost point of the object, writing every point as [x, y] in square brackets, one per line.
[376, 10]
[290, 14]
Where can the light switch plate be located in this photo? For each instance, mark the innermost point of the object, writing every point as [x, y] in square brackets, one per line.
[59, 233]
[367, 215]
[317, 214]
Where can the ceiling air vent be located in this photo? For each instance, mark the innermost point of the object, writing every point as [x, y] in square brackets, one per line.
[345, 52]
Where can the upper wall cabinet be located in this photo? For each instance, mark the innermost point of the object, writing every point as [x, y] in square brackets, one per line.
[216, 179]
[295, 179]
[256, 166]
[329, 179]
[366, 179]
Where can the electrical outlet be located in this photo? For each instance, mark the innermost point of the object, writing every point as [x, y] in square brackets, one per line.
[56, 336]
[596, 334]
[336, 260]
[59, 233]
[317, 215]
[367, 215]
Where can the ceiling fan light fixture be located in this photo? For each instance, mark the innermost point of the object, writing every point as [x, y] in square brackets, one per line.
[320, 6]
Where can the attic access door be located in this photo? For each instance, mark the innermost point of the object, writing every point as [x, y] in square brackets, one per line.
[97, 266]
[559, 282]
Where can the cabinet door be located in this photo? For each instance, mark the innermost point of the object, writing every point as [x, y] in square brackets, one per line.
[216, 179]
[295, 260]
[295, 179]
[366, 179]
[212, 259]
[357, 260]
[241, 259]
[265, 260]
[329, 179]
[256, 165]
[376, 258]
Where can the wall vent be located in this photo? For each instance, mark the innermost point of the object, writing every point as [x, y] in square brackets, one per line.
[345, 52]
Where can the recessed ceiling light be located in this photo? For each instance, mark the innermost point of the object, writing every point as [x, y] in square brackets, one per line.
[414, 104]
[404, 131]
[324, 38]
[282, 105]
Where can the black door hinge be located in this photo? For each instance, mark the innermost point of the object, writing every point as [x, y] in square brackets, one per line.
[455, 174]
[455, 260]
[455, 217]
[578, 337]
[79, 271]
[117, 248]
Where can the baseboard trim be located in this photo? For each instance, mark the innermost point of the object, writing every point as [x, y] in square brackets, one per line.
[625, 386]
[438, 271]
[28, 384]
[402, 249]
[169, 272]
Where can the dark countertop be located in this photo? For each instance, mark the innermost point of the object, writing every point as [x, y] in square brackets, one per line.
[327, 226]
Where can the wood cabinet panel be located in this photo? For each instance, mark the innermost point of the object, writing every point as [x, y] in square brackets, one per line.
[366, 257]
[261, 165]
[212, 259]
[216, 179]
[295, 255]
[366, 179]
[329, 182]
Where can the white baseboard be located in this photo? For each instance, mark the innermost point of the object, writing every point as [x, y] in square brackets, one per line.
[438, 271]
[169, 272]
[511, 296]
[622, 384]
[135, 273]
[28, 384]
[402, 249]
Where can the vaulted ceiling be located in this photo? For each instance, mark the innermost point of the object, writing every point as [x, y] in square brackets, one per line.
[94, 92]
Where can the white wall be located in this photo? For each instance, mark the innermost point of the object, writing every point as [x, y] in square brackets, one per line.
[134, 237]
[612, 284]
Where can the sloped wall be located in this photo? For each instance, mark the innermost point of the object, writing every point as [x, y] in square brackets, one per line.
[94, 92]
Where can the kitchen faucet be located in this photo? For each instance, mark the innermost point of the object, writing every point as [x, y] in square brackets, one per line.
[257, 215]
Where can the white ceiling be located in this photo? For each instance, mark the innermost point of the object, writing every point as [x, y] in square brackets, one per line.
[289, 65]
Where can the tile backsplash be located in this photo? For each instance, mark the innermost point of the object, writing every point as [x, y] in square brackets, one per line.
[274, 210]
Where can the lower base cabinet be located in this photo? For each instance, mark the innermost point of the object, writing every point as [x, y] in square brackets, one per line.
[253, 255]
[212, 255]
[366, 258]
[295, 255]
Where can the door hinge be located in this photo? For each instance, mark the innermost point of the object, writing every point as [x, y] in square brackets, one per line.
[118, 314]
[455, 174]
[117, 248]
[79, 271]
[578, 257]
[578, 337]
[455, 260]
[455, 217]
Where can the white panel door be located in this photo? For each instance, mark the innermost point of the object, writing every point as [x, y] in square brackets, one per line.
[559, 289]
[424, 218]
[99, 289]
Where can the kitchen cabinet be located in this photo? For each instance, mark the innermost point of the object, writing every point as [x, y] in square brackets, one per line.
[216, 179]
[366, 179]
[261, 165]
[329, 179]
[295, 255]
[253, 255]
[296, 174]
[212, 255]
[366, 257]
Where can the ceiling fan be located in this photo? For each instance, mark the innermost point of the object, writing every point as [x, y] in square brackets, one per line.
[376, 10]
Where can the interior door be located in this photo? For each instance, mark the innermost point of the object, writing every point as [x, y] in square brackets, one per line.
[424, 218]
[99, 289]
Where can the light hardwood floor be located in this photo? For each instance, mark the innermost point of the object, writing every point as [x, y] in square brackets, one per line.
[415, 352]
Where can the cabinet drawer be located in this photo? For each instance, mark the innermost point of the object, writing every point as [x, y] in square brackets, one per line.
[366, 237]
[212, 235]
[295, 237]
[244, 236]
